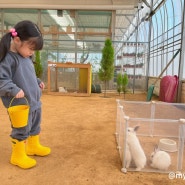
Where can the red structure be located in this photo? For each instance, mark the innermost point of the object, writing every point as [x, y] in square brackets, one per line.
[168, 88]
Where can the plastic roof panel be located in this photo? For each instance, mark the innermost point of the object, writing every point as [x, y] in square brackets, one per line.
[94, 19]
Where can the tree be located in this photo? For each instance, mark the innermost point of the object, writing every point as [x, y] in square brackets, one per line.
[124, 83]
[106, 70]
[119, 83]
[37, 64]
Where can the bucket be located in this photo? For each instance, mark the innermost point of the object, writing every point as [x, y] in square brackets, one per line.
[19, 114]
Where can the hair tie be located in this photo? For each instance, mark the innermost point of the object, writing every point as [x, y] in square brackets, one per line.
[13, 32]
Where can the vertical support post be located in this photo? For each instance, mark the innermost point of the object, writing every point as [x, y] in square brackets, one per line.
[49, 79]
[76, 27]
[136, 50]
[149, 40]
[181, 144]
[56, 78]
[126, 118]
[89, 80]
[153, 104]
[182, 58]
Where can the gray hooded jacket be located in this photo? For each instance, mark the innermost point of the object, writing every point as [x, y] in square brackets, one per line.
[18, 73]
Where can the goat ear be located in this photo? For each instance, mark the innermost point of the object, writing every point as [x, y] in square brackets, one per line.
[136, 128]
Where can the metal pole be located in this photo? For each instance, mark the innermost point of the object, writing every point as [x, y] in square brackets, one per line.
[149, 40]
[182, 57]
[136, 51]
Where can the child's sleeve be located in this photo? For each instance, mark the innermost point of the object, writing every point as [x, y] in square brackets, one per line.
[7, 87]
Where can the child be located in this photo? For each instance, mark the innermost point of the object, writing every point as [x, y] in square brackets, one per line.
[18, 79]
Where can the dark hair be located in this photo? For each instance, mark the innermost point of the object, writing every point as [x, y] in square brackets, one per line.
[26, 31]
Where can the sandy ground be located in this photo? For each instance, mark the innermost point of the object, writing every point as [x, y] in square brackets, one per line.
[80, 132]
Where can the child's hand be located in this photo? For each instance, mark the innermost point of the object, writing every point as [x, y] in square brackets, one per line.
[20, 94]
[41, 85]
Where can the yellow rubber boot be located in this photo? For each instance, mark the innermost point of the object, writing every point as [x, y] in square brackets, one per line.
[19, 157]
[33, 147]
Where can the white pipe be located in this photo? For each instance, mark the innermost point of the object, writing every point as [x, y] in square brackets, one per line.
[69, 7]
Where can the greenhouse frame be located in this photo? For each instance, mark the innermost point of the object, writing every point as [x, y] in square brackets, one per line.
[146, 36]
